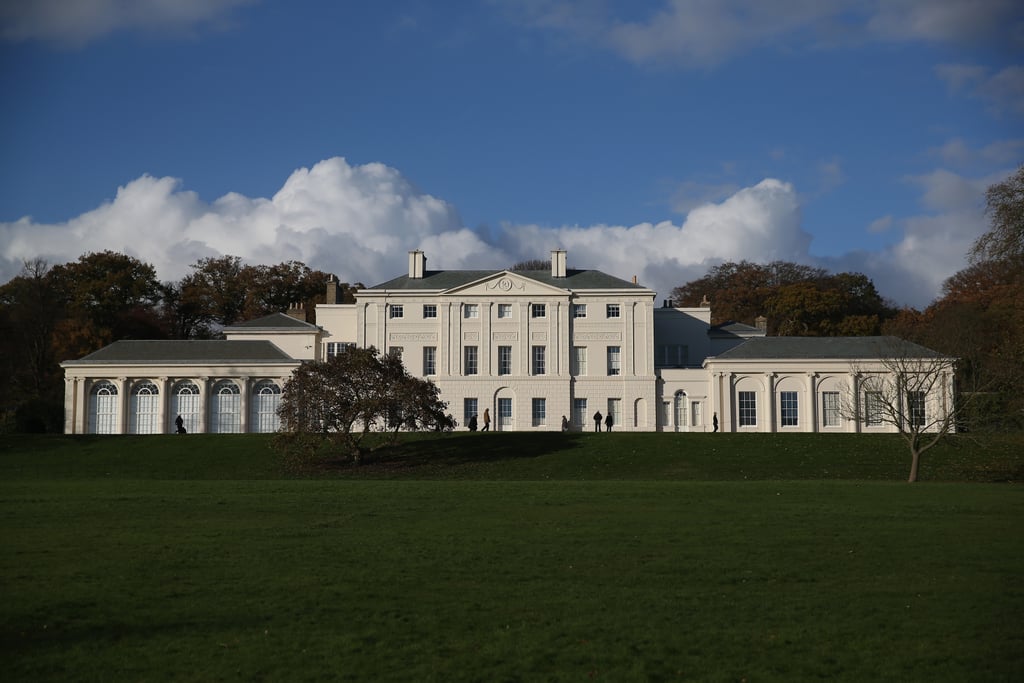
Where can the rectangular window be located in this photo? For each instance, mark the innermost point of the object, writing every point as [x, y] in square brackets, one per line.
[578, 361]
[748, 409]
[538, 357]
[540, 412]
[614, 360]
[468, 409]
[538, 310]
[579, 412]
[395, 351]
[471, 311]
[504, 360]
[612, 311]
[873, 408]
[429, 360]
[830, 408]
[429, 310]
[579, 310]
[915, 408]
[504, 310]
[615, 410]
[470, 366]
[788, 403]
[337, 348]
[396, 311]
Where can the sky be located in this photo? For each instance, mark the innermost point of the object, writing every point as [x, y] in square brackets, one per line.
[649, 138]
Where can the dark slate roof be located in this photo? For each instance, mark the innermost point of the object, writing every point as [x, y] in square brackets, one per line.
[186, 351]
[449, 279]
[732, 327]
[826, 347]
[278, 321]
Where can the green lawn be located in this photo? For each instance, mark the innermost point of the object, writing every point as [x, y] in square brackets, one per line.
[511, 558]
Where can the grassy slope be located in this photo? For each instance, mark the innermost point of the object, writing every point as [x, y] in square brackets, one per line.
[192, 559]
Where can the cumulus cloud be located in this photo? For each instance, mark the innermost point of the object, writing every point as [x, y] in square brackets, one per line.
[699, 34]
[359, 222]
[76, 22]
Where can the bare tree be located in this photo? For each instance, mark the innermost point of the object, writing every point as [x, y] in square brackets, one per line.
[910, 390]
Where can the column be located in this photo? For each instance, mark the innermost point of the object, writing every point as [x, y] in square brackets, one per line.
[204, 408]
[165, 400]
[812, 390]
[123, 404]
[772, 422]
[243, 408]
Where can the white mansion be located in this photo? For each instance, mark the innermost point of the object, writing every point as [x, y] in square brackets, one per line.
[528, 346]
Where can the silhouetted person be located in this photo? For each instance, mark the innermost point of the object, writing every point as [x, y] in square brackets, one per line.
[179, 425]
[565, 424]
[714, 421]
[472, 423]
[608, 422]
[487, 420]
[597, 421]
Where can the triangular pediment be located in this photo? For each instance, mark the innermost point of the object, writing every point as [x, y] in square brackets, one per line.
[505, 283]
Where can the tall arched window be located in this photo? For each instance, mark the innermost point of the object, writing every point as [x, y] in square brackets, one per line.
[145, 409]
[225, 408]
[185, 401]
[266, 397]
[103, 414]
[680, 410]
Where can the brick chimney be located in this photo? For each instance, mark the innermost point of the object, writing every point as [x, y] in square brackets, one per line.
[297, 310]
[333, 290]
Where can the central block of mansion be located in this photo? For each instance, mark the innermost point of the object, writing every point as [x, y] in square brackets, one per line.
[528, 346]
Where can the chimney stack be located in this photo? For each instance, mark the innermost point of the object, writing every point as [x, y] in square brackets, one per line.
[558, 263]
[761, 323]
[333, 290]
[417, 264]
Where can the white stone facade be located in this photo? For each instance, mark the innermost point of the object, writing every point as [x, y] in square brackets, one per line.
[531, 348]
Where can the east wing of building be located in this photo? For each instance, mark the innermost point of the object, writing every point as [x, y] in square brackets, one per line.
[527, 347]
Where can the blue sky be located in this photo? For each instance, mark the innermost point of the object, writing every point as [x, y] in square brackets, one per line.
[647, 138]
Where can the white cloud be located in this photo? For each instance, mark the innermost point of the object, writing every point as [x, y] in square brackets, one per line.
[360, 221]
[698, 34]
[957, 152]
[76, 22]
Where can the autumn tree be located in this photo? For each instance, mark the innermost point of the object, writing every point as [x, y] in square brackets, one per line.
[222, 291]
[336, 404]
[532, 264]
[798, 300]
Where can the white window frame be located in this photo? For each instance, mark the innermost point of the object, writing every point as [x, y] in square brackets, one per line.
[873, 408]
[469, 409]
[579, 412]
[504, 360]
[579, 311]
[746, 404]
[614, 361]
[538, 360]
[538, 310]
[612, 311]
[504, 310]
[917, 412]
[830, 416]
[470, 311]
[539, 412]
[429, 311]
[396, 311]
[578, 361]
[429, 360]
[471, 360]
[789, 409]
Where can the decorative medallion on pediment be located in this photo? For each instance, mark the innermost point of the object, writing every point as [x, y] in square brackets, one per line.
[505, 284]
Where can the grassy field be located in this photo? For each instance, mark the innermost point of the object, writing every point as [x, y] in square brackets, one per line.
[512, 558]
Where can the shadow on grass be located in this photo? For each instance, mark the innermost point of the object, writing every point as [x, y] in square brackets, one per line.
[428, 452]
